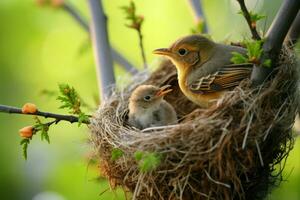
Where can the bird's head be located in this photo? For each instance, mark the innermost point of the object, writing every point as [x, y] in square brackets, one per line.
[147, 96]
[188, 51]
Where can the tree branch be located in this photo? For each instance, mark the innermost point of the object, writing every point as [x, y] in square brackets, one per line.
[57, 117]
[294, 32]
[118, 57]
[196, 6]
[274, 39]
[247, 16]
[102, 49]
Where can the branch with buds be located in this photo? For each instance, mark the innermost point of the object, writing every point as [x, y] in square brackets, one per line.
[136, 22]
[251, 19]
[69, 99]
[30, 109]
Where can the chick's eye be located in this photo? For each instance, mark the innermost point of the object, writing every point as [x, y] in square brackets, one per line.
[147, 98]
[182, 52]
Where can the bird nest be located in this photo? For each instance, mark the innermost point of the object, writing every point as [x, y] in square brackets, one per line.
[228, 151]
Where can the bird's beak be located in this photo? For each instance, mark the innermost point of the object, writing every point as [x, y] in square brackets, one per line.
[163, 51]
[163, 91]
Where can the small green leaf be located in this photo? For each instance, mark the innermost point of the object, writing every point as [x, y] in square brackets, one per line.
[44, 133]
[254, 48]
[255, 17]
[82, 118]
[135, 20]
[69, 98]
[238, 58]
[149, 162]
[116, 154]
[24, 144]
[199, 27]
[267, 63]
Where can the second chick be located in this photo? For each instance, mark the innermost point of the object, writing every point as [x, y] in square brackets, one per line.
[147, 108]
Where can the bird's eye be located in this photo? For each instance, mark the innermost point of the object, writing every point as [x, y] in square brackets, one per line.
[182, 51]
[147, 98]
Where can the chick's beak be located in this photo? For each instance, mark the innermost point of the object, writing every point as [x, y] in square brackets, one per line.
[163, 51]
[163, 91]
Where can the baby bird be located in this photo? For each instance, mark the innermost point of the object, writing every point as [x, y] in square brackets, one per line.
[204, 68]
[147, 108]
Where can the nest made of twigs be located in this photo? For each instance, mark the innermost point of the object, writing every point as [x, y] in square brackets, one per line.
[227, 151]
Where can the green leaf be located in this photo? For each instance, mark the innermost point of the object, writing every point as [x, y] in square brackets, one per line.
[24, 144]
[44, 133]
[116, 154]
[199, 28]
[130, 14]
[255, 17]
[238, 58]
[149, 162]
[69, 98]
[254, 48]
[82, 118]
[267, 63]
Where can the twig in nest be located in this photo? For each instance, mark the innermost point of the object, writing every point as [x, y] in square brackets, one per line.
[216, 182]
[247, 16]
[58, 117]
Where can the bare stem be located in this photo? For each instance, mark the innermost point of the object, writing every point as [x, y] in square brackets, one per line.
[247, 16]
[274, 39]
[102, 49]
[57, 117]
[118, 57]
[142, 49]
[196, 6]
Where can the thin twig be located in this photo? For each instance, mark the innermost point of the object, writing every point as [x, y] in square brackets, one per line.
[247, 132]
[102, 49]
[259, 153]
[247, 16]
[117, 56]
[215, 181]
[142, 49]
[58, 117]
[196, 6]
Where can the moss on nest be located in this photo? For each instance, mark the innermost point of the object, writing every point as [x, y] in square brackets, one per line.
[228, 151]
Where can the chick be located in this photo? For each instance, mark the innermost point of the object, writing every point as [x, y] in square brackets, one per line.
[147, 108]
[204, 68]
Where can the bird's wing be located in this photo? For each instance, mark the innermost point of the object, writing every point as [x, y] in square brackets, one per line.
[226, 77]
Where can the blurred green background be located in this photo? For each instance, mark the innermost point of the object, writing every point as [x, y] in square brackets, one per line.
[41, 47]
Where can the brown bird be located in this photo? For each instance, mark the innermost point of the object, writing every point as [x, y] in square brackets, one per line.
[147, 108]
[204, 68]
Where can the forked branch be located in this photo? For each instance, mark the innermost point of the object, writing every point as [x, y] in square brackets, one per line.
[117, 56]
[274, 38]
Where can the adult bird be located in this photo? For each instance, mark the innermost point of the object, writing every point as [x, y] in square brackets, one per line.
[147, 108]
[204, 68]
